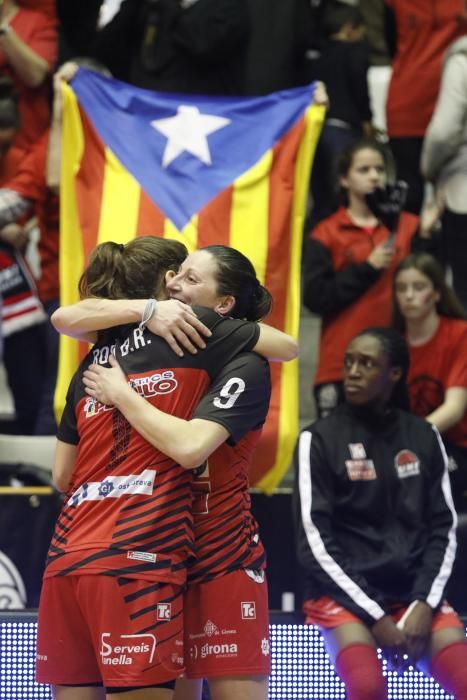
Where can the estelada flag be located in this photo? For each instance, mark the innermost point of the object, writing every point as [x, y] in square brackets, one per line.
[203, 170]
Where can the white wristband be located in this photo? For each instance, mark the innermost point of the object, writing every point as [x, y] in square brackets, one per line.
[148, 312]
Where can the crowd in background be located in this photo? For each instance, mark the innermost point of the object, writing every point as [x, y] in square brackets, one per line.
[352, 263]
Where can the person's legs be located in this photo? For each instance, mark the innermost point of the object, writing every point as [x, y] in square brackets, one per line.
[141, 694]
[46, 423]
[407, 152]
[188, 689]
[24, 358]
[352, 650]
[245, 687]
[455, 247]
[447, 662]
[61, 692]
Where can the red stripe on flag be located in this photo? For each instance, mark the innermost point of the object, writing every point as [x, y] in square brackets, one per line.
[150, 218]
[214, 220]
[281, 191]
[90, 185]
[15, 298]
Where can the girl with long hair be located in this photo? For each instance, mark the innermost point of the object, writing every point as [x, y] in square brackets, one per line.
[349, 265]
[429, 314]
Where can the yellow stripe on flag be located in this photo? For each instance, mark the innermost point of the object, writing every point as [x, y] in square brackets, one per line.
[188, 236]
[71, 261]
[249, 221]
[288, 414]
[120, 202]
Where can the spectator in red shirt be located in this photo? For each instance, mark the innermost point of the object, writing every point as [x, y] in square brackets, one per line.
[28, 51]
[349, 266]
[433, 320]
[423, 32]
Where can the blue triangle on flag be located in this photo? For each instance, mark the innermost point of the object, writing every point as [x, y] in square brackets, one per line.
[185, 149]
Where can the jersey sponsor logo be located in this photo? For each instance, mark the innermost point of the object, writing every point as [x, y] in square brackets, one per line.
[92, 407]
[177, 659]
[155, 384]
[265, 647]
[210, 628]
[164, 611]
[407, 464]
[114, 487]
[142, 556]
[248, 610]
[357, 451]
[360, 469]
[130, 646]
[258, 575]
[220, 651]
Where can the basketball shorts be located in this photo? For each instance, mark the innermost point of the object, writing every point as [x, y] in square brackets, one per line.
[123, 633]
[227, 626]
[326, 613]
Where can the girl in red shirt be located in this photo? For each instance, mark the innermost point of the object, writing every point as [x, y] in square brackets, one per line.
[432, 318]
[349, 265]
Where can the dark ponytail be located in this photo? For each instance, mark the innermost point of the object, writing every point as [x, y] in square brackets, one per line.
[236, 277]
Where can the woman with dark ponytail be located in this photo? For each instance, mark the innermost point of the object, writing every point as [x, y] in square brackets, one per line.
[375, 528]
[218, 442]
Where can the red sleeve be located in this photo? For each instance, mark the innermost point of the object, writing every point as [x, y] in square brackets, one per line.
[29, 180]
[457, 375]
[39, 32]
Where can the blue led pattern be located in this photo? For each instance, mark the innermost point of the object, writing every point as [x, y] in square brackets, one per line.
[301, 670]
[300, 666]
[17, 659]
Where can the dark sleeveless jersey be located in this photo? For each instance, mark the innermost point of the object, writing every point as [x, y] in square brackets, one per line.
[127, 511]
[226, 534]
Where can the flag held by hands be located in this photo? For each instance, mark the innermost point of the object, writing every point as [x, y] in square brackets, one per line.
[204, 170]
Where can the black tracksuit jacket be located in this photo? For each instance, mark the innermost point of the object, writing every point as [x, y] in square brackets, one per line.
[375, 523]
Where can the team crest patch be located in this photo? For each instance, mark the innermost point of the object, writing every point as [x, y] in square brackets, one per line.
[357, 451]
[360, 469]
[407, 464]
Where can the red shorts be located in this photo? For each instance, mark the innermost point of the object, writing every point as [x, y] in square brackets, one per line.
[325, 612]
[114, 631]
[227, 627]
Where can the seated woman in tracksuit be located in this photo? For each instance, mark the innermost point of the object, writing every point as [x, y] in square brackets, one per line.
[375, 528]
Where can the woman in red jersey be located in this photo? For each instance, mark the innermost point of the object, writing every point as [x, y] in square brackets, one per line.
[349, 265]
[433, 321]
[257, 304]
[229, 645]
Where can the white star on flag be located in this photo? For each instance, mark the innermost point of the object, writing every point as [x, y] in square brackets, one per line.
[187, 131]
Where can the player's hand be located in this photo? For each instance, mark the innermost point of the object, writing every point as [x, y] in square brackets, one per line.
[417, 630]
[381, 256]
[65, 73]
[430, 216]
[392, 643]
[106, 384]
[320, 95]
[179, 326]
